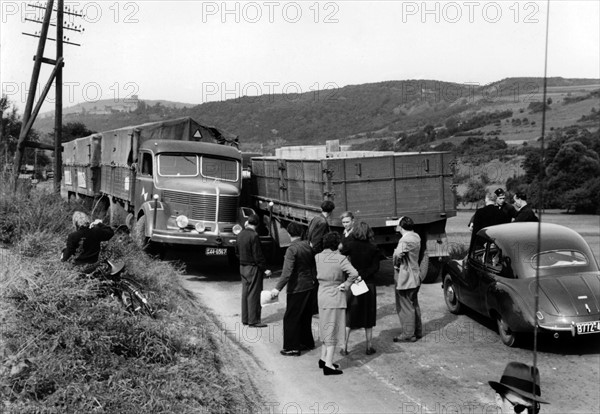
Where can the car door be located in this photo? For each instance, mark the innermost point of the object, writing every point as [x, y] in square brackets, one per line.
[491, 272]
[474, 269]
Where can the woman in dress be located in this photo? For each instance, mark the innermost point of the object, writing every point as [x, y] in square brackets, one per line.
[361, 311]
[335, 275]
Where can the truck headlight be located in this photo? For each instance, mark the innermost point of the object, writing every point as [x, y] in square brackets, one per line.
[237, 229]
[200, 227]
[182, 221]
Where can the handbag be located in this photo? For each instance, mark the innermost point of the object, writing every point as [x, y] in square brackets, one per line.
[359, 288]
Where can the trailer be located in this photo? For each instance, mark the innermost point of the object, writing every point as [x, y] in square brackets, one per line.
[169, 182]
[377, 187]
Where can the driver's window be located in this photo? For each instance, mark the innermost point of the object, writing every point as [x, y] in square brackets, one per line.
[477, 253]
[146, 163]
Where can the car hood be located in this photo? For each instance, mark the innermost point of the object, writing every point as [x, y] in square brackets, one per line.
[570, 295]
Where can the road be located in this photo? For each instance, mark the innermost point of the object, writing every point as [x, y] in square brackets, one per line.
[445, 372]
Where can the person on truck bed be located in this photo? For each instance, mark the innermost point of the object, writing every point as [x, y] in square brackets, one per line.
[84, 243]
[318, 227]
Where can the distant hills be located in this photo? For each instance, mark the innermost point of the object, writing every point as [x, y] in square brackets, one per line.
[353, 114]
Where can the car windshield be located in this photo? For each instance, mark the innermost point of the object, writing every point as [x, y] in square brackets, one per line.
[559, 258]
[178, 165]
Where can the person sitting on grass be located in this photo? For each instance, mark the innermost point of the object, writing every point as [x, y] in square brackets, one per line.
[83, 245]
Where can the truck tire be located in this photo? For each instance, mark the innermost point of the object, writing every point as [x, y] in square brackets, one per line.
[139, 234]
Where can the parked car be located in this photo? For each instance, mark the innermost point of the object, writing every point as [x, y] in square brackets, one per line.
[498, 280]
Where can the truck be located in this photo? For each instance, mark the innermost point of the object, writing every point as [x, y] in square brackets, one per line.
[377, 187]
[173, 182]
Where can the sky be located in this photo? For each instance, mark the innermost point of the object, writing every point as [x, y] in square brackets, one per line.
[200, 51]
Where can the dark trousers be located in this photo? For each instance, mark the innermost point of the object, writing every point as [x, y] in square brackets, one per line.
[409, 312]
[252, 285]
[297, 321]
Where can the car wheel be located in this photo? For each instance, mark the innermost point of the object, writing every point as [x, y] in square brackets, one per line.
[507, 336]
[454, 306]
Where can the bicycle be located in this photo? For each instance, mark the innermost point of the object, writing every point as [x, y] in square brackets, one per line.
[127, 291]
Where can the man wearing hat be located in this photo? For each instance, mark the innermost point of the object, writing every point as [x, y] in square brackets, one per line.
[507, 209]
[518, 389]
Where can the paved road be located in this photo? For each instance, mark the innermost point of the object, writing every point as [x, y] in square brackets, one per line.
[446, 372]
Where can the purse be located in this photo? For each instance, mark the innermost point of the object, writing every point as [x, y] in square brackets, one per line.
[359, 288]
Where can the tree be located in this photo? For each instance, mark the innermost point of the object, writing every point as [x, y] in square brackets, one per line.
[475, 192]
[73, 130]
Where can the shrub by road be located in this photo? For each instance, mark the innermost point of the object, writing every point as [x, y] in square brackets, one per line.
[65, 350]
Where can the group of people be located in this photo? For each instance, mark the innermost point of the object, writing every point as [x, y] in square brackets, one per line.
[498, 211]
[319, 268]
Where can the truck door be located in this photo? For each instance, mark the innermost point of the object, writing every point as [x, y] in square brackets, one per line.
[144, 183]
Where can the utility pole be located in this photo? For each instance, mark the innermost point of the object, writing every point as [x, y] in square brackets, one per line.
[30, 115]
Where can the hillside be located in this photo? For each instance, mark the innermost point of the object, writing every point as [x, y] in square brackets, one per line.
[357, 113]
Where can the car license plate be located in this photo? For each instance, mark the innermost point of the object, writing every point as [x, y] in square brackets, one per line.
[216, 251]
[588, 328]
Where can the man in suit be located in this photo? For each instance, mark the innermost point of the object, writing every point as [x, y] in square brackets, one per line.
[408, 282]
[525, 212]
[507, 209]
[489, 215]
[253, 267]
[319, 227]
[518, 390]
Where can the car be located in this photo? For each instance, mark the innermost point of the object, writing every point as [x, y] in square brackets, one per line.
[498, 279]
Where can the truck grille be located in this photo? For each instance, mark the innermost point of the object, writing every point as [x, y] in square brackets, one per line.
[204, 206]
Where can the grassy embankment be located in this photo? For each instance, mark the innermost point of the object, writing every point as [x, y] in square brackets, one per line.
[65, 350]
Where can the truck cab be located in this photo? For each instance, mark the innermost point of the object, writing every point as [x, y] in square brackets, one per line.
[188, 192]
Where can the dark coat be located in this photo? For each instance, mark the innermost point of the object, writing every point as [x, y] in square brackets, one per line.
[489, 215]
[364, 256]
[526, 214]
[87, 242]
[249, 250]
[299, 269]
[317, 228]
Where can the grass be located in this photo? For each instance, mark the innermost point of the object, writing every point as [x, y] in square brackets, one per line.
[65, 350]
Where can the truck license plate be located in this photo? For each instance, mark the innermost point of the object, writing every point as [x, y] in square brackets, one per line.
[588, 328]
[216, 251]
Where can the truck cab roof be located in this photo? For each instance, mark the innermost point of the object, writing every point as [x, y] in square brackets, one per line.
[164, 145]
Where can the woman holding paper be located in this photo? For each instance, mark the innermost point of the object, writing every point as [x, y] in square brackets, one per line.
[361, 311]
[335, 275]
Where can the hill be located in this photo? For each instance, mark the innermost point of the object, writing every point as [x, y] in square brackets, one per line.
[357, 113]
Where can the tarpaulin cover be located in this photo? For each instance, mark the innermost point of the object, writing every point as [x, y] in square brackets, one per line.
[120, 145]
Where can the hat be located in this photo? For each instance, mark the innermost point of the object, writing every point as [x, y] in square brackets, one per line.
[519, 378]
[499, 192]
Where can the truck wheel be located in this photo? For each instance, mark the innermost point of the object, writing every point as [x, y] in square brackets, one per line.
[452, 303]
[139, 234]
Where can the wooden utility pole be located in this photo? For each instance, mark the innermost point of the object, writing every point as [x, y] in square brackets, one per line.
[30, 115]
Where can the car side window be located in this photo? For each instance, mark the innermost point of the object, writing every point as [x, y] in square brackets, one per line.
[493, 257]
[477, 253]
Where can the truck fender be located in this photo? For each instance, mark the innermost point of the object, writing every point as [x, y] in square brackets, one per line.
[147, 210]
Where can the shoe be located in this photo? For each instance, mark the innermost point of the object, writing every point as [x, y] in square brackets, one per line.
[370, 351]
[344, 352]
[405, 339]
[322, 364]
[258, 325]
[290, 352]
[329, 371]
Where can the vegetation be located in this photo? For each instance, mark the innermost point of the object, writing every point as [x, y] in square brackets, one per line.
[64, 349]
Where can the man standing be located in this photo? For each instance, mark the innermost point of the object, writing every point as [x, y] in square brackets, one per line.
[319, 227]
[525, 212]
[300, 274]
[252, 268]
[507, 209]
[489, 215]
[519, 389]
[408, 281]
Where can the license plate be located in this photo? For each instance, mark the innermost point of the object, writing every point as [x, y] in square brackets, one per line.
[216, 251]
[588, 328]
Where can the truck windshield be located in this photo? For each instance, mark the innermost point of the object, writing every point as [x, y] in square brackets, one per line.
[220, 168]
[178, 165]
[192, 165]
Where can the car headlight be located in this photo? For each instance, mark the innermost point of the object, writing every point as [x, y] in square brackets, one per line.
[237, 229]
[200, 227]
[182, 221]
